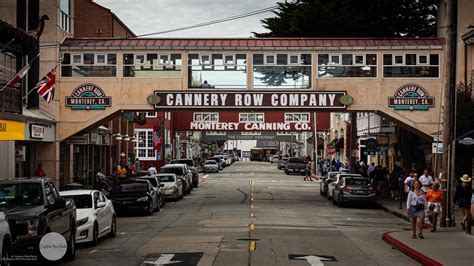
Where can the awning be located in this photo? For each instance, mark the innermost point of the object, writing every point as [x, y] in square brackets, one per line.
[466, 139]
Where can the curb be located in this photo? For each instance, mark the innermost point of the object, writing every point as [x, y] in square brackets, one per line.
[401, 215]
[417, 256]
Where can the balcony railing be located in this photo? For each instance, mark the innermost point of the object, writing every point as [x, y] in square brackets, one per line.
[10, 100]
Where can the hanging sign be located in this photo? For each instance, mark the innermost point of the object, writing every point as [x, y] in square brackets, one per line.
[411, 97]
[88, 97]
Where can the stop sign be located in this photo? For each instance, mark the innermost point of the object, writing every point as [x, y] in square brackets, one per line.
[330, 150]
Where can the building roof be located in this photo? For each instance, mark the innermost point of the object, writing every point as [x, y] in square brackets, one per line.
[255, 43]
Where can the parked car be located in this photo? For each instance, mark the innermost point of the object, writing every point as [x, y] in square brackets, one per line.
[295, 165]
[275, 159]
[329, 178]
[33, 208]
[95, 215]
[133, 195]
[210, 166]
[219, 161]
[156, 184]
[192, 167]
[228, 159]
[332, 185]
[354, 189]
[181, 171]
[5, 240]
[282, 163]
[173, 186]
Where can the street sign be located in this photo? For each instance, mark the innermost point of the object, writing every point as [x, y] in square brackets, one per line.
[175, 259]
[313, 260]
[437, 147]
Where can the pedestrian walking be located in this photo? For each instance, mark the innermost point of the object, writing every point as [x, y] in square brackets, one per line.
[462, 197]
[435, 197]
[152, 170]
[426, 181]
[308, 176]
[416, 203]
[121, 171]
[40, 171]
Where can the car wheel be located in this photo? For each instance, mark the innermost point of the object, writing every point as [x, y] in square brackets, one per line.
[5, 253]
[333, 199]
[176, 197]
[95, 235]
[113, 227]
[182, 194]
[158, 203]
[71, 245]
[163, 201]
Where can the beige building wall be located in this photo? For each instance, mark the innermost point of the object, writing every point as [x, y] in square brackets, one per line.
[6, 7]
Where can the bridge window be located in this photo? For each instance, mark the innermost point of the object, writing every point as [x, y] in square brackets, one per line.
[221, 71]
[285, 71]
[89, 65]
[206, 117]
[411, 65]
[296, 117]
[152, 65]
[250, 133]
[215, 133]
[144, 149]
[347, 65]
[251, 117]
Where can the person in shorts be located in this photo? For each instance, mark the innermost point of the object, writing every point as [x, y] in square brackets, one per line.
[435, 197]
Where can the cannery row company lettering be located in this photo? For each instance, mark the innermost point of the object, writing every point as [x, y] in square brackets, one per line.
[248, 99]
[88, 96]
[232, 126]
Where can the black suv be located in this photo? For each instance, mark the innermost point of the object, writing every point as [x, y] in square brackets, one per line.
[34, 208]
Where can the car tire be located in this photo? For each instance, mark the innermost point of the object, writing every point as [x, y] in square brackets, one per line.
[340, 204]
[6, 253]
[333, 199]
[113, 227]
[182, 194]
[176, 197]
[71, 245]
[95, 235]
[163, 201]
[158, 203]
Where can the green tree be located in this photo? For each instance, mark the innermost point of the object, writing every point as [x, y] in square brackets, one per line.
[349, 18]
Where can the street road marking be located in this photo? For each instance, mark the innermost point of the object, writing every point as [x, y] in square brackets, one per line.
[93, 251]
[252, 227]
[206, 176]
[163, 260]
[252, 245]
[251, 199]
[313, 260]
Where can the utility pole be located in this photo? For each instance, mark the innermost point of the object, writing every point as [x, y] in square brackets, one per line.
[315, 145]
[447, 181]
[353, 141]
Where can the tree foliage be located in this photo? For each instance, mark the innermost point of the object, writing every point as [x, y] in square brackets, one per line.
[350, 18]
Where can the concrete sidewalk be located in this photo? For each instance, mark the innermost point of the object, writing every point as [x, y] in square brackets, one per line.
[447, 246]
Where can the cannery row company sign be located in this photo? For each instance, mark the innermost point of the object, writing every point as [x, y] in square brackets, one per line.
[411, 97]
[248, 100]
[88, 97]
[250, 126]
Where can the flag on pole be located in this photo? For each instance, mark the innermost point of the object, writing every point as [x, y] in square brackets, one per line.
[157, 138]
[15, 81]
[47, 85]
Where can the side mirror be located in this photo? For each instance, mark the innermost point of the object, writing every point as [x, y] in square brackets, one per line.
[60, 203]
[100, 204]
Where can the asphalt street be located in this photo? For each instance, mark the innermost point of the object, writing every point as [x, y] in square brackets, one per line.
[250, 213]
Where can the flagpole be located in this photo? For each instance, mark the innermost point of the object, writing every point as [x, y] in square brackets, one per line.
[29, 63]
[34, 90]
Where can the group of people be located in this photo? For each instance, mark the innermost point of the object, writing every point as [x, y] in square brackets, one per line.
[424, 197]
[327, 165]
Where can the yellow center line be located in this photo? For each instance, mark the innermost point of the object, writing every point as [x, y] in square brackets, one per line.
[252, 246]
[252, 215]
[252, 227]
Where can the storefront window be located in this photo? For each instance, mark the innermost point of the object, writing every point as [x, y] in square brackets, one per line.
[220, 71]
[152, 65]
[283, 71]
[347, 65]
[411, 65]
[144, 148]
[89, 65]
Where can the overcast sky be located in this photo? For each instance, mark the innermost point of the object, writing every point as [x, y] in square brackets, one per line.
[147, 16]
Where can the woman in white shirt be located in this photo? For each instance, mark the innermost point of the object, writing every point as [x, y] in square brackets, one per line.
[416, 204]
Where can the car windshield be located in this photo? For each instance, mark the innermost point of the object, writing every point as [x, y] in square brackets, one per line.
[22, 194]
[152, 181]
[284, 159]
[188, 162]
[82, 201]
[357, 181]
[172, 170]
[129, 187]
[167, 178]
[210, 162]
[296, 160]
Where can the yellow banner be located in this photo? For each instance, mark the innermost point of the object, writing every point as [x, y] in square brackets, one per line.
[12, 130]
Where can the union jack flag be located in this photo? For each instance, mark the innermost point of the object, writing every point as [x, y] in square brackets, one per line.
[47, 85]
[157, 138]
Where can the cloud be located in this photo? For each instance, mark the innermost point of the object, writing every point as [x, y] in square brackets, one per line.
[147, 16]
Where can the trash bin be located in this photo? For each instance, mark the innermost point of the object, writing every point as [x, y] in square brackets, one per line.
[73, 186]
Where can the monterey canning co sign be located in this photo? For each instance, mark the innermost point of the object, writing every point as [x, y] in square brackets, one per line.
[249, 100]
[88, 97]
[411, 97]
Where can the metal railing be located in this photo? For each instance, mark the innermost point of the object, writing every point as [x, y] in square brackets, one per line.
[10, 100]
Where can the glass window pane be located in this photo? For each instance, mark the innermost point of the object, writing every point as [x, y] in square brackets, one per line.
[193, 59]
[410, 59]
[347, 59]
[111, 59]
[229, 60]
[88, 59]
[128, 59]
[176, 59]
[323, 59]
[66, 59]
[241, 59]
[64, 6]
[335, 59]
[423, 59]
[269, 59]
[100, 59]
[152, 59]
[387, 59]
[306, 59]
[434, 59]
[151, 153]
[371, 59]
[398, 59]
[258, 59]
[164, 59]
[217, 60]
[205, 59]
[294, 59]
[359, 59]
[282, 59]
[77, 58]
